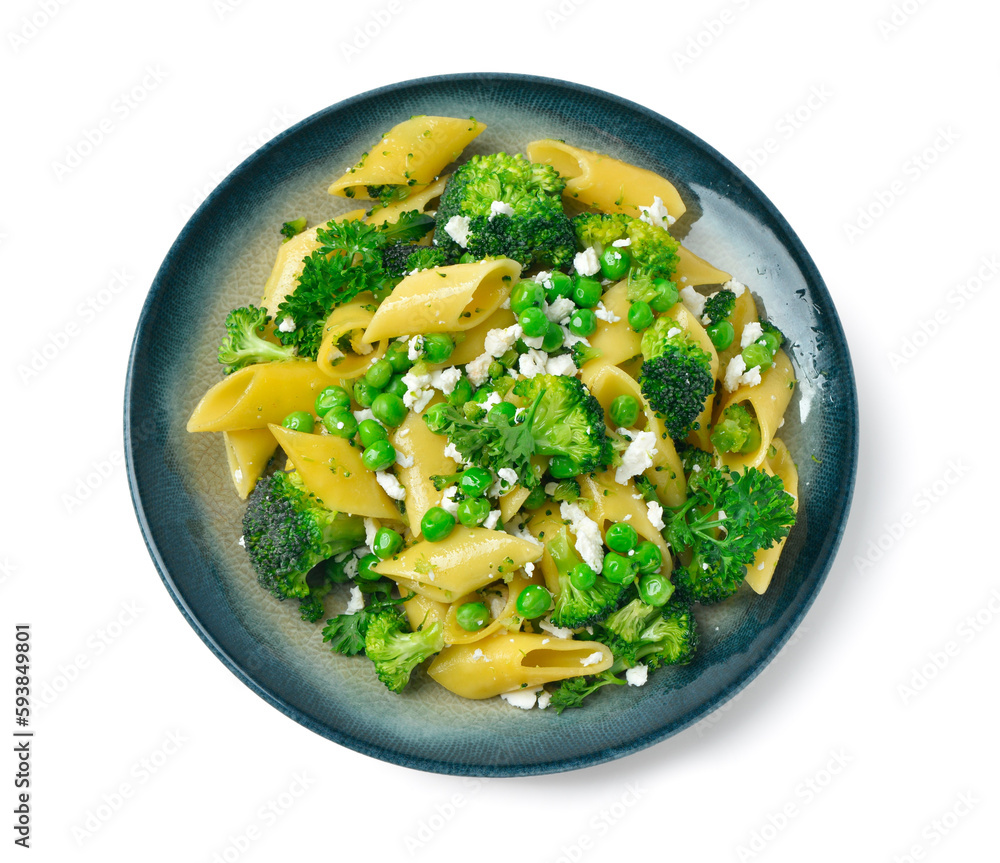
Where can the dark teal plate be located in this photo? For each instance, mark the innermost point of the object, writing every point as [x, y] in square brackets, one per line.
[190, 515]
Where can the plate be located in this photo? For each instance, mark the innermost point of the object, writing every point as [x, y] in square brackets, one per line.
[190, 516]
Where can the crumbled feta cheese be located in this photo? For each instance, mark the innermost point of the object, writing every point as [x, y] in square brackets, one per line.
[535, 342]
[637, 676]
[737, 365]
[351, 565]
[523, 698]
[492, 400]
[593, 659]
[364, 414]
[451, 451]
[586, 262]
[287, 325]
[532, 363]
[419, 391]
[446, 379]
[498, 603]
[390, 485]
[370, 531]
[736, 287]
[693, 301]
[751, 377]
[621, 244]
[500, 208]
[356, 602]
[588, 535]
[674, 331]
[558, 631]
[628, 518]
[448, 502]
[243, 542]
[478, 370]
[478, 655]
[458, 229]
[561, 365]
[603, 313]
[404, 460]
[637, 458]
[415, 348]
[508, 475]
[499, 341]
[544, 697]
[544, 278]
[492, 519]
[560, 309]
[656, 214]
[751, 332]
[506, 303]
[654, 512]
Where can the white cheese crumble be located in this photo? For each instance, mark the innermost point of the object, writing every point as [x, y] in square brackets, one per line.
[523, 698]
[620, 244]
[736, 287]
[544, 697]
[603, 313]
[415, 348]
[390, 485]
[532, 363]
[737, 374]
[508, 475]
[535, 342]
[362, 415]
[446, 379]
[351, 565]
[499, 341]
[637, 458]
[500, 208]
[448, 502]
[586, 262]
[560, 309]
[637, 676]
[561, 365]
[478, 655]
[492, 519]
[458, 229]
[588, 535]
[654, 512]
[693, 301]
[492, 400]
[593, 659]
[370, 531]
[478, 370]
[243, 542]
[356, 602]
[419, 391]
[656, 214]
[751, 332]
[558, 631]
[544, 278]
[451, 451]
[674, 331]
[404, 460]
[751, 377]
[287, 325]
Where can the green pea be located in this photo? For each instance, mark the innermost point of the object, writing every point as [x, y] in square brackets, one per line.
[370, 431]
[586, 292]
[640, 316]
[462, 392]
[533, 322]
[757, 355]
[553, 338]
[397, 386]
[475, 481]
[397, 355]
[525, 295]
[332, 397]
[535, 498]
[496, 370]
[666, 295]
[436, 417]
[298, 421]
[770, 341]
[341, 422]
[365, 571]
[472, 616]
[582, 577]
[563, 467]
[648, 557]
[364, 393]
[655, 589]
[386, 543]
[614, 263]
[438, 347]
[533, 601]
[379, 455]
[621, 537]
[379, 374]
[505, 408]
[559, 285]
[618, 569]
[624, 410]
[437, 524]
[473, 511]
[721, 334]
[582, 323]
[389, 409]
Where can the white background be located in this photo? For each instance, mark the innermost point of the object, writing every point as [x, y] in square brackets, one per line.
[872, 736]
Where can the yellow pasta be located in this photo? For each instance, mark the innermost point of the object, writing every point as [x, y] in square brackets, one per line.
[349, 322]
[423, 451]
[505, 619]
[510, 661]
[693, 271]
[444, 299]
[416, 200]
[615, 502]
[248, 452]
[471, 342]
[411, 154]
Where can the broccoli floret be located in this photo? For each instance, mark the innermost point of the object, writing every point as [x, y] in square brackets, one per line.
[345, 633]
[720, 306]
[583, 353]
[768, 327]
[727, 518]
[676, 376]
[693, 459]
[293, 228]
[243, 344]
[736, 431]
[629, 621]
[399, 259]
[396, 651]
[287, 532]
[535, 233]
[574, 606]
[671, 638]
[651, 250]
[572, 692]
[568, 490]
[565, 419]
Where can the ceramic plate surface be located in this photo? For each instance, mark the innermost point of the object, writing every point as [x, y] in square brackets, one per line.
[191, 517]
